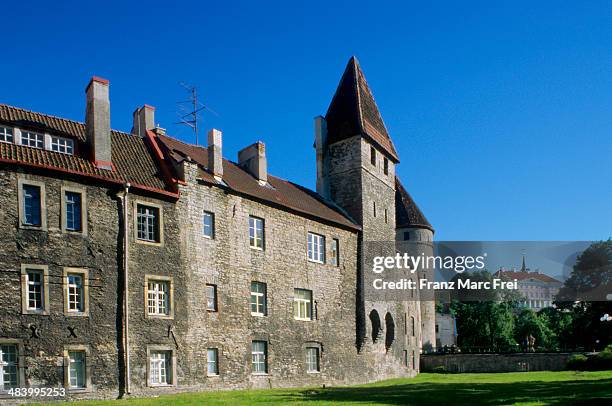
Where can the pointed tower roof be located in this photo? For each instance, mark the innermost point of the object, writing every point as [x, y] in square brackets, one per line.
[407, 213]
[353, 111]
[523, 267]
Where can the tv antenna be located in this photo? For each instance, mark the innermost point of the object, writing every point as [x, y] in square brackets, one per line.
[189, 109]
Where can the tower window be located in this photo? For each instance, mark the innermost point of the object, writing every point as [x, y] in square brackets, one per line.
[386, 216]
[373, 156]
[374, 207]
[386, 166]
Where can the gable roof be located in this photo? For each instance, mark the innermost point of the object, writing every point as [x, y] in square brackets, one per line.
[132, 159]
[279, 192]
[407, 213]
[353, 111]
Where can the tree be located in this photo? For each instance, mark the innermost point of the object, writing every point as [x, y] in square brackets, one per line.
[583, 295]
[483, 320]
[530, 323]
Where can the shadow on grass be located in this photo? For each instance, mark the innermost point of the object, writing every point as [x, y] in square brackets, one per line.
[547, 393]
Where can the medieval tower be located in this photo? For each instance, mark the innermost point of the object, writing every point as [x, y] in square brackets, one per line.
[356, 162]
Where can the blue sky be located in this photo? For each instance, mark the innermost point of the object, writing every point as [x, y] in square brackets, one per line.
[501, 113]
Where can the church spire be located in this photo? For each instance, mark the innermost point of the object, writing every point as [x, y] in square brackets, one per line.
[353, 111]
[523, 267]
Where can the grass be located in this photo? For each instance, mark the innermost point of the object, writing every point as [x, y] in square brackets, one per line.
[522, 388]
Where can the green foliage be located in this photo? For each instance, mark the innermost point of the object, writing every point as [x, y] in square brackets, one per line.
[577, 363]
[530, 323]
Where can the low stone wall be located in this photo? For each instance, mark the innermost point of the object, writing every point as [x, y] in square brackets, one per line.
[522, 362]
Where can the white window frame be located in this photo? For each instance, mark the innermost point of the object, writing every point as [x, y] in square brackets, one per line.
[313, 360]
[160, 223]
[211, 232]
[259, 357]
[316, 248]
[302, 307]
[259, 299]
[159, 303]
[215, 303]
[26, 283]
[6, 132]
[161, 366]
[257, 233]
[62, 145]
[18, 363]
[69, 288]
[32, 139]
[212, 360]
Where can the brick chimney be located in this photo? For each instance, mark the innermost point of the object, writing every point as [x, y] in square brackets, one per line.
[215, 157]
[253, 159]
[320, 127]
[144, 119]
[97, 122]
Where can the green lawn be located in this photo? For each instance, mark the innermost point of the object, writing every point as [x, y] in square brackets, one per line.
[533, 388]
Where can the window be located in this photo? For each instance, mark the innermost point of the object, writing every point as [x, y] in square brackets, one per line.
[437, 329]
[73, 211]
[158, 297]
[302, 304]
[259, 357]
[316, 248]
[30, 139]
[208, 223]
[35, 290]
[258, 298]
[148, 223]
[6, 134]
[76, 369]
[412, 326]
[335, 252]
[9, 366]
[31, 206]
[160, 367]
[405, 358]
[413, 360]
[312, 359]
[386, 166]
[256, 232]
[406, 235]
[63, 145]
[374, 208]
[211, 298]
[74, 292]
[212, 355]
[373, 156]
[386, 216]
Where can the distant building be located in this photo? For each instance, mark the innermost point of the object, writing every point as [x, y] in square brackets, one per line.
[538, 290]
[446, 331]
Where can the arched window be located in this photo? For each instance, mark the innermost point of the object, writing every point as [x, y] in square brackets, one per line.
[390, 331]
[376, 326]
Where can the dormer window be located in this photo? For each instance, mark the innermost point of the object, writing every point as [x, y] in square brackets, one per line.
[6, 134]
[34, 140]
[62, 145]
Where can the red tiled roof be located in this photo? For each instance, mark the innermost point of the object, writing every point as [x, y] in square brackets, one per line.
[407, 213]
[353, 111]
[132, 159]
[281, 193]
[527, 275]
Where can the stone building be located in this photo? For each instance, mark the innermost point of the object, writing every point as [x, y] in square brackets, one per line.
[138, 264]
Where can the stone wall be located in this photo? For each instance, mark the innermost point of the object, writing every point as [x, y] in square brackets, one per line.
[522, 362]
